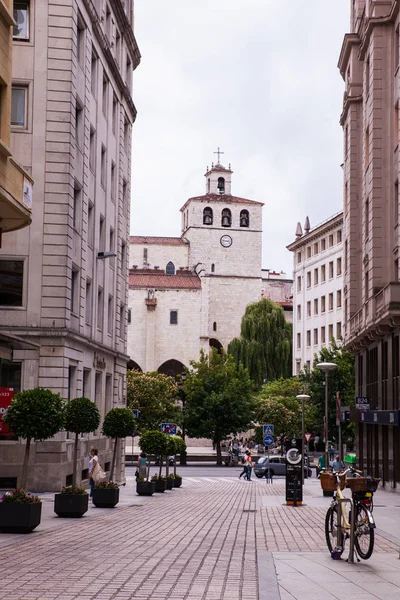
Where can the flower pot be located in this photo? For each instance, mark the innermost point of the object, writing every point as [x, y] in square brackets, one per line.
[19, 518]
[161, 485]
[145, 488]
[177, 482]
[105, 498]
[71, 505]
[170, 483]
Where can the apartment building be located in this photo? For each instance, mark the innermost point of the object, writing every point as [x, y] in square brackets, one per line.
[317, 289]
[369, 64]
[72, 112]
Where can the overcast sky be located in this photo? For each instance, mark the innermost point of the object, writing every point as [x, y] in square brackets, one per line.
[258, 78]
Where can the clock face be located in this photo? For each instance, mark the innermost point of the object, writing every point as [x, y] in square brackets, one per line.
[226, 241]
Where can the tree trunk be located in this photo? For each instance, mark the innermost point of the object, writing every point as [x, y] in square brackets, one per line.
[175, 465]
[160, 471]
[113, 459]
[26, 462]
[167, 466]
[75, 460]
[148, 469]
[219, 455]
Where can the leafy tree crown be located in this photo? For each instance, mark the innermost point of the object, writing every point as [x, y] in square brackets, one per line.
[36, 413]
[118, 423]
[81, 415]
[154, 442]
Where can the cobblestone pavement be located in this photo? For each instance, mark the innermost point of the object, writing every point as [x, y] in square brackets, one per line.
[201, 542]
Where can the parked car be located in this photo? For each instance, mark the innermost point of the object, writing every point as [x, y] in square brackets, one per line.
[277, 465]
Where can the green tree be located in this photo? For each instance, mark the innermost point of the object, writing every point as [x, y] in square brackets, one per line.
[265, 343]
[154, 395]
[81, 416]
[219, 400]
[155, 443]
[118, 423]
[34, 414]
[341, 380]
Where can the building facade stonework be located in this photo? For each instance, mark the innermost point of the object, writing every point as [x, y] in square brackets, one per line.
[369, 64]
[190, 293]
[73, 68]
[317, 289]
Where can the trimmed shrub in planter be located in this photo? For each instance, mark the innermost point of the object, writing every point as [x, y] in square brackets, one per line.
[153, 442]
[19, 512]
[71, 505]
[177, 481]
[118, 423]
[106, 495]
[160, 484]
[170, 482]
[145, 488]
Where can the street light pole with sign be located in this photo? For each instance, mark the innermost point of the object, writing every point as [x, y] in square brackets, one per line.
[326, 367]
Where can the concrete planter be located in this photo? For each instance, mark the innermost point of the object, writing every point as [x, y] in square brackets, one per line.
[177, 482]
[19, 518]
[161, 485]
[145, 488]
[103, 498]
[71, 506]
[170, 483]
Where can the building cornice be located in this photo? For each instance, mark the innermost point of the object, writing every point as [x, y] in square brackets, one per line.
[347, 102]
[350, 40]
[374, 22]
[105, 46]
[317, 232]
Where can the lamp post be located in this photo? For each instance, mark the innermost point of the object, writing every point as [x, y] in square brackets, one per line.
[182, 395]
[302, 397]
[326, 367]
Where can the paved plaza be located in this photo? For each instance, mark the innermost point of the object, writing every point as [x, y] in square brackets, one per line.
[216, 538]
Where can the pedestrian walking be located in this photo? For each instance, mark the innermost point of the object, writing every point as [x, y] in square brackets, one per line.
[244, 472]
[142, 465]
[321, 464]
[92, 463]
[249, 465]
[336, 466]
[331, 452]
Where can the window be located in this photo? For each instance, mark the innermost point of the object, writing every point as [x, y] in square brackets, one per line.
[315, 337]
[208, 185]
[297, 367]
[298, 312]
[170, 268]
[21, 18]
[103, 177]
[123, 256]
[298, 341]
[173, 317]
[331, 270]
[114, 114]
[330, 332]
[226, 218]
[339, 299]
[90, 236]
[367, 75]
[111, 247]
[19, 96]
[315, 306]
[75, 290]
[124, 196]
[244, 218]
[127, 128]
[315, 276]
[214, 326]
[366, 149]
[298, 257]
[323, 244]
[309, 252]
[93, 72]
[145, 258]
[330, 241]
[299, 283]
[315, 248]
[129, 316]
[309, 308]
[323, 274]
[309, 338]
[77, 208]
[122, 324]
[11, 282]
[322, 335]
[322, 304]
[80, 40]
[79, 123]
[92, 150]
[309, 279]
[108, 22]
[213, 268]
[88, 302]
[331, 301]
[110, 314]
[113, 181]
[338, 266]
[105, 95]
[346, 141]
[207, 216]
[339, 329]
[308, 365]
[86, 390]
[339, 236]
[102, 235]
[100, 308]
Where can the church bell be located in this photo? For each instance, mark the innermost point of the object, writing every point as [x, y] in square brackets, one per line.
[243, 222]
[207, 220]
[225, 221]
[221, 185]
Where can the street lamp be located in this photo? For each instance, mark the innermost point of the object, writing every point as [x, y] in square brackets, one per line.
[326, 367]
[302, 397]
[182, 396]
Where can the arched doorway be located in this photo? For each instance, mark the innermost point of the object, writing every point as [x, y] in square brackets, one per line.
[216, 344]
[172, 368]
[132, 366]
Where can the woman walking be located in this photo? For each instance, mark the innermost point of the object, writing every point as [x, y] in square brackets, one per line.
[248, 461]
[92, 463]
[142, 465]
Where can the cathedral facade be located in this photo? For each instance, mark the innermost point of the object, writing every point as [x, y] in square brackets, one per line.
[189, 293]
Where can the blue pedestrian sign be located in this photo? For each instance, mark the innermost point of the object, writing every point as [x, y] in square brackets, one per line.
[268, 430]
[168, 428]
[136, 413]
[268, 440]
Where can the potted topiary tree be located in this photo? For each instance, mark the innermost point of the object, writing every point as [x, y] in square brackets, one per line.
[170, 451]
[154, 442]
[118, 423]
[33, 414]
[180, 448]
[81, 416]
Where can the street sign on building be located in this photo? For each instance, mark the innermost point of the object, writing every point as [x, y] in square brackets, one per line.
[268, 430]
[362, 403]
[169, 428]
[268, 440]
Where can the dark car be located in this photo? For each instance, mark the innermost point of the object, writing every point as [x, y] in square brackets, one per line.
[277, 465]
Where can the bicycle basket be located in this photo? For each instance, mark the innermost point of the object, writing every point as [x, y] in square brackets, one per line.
[357, 484]
[329, 483]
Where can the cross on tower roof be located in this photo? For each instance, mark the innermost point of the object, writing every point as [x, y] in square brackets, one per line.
[219, 152]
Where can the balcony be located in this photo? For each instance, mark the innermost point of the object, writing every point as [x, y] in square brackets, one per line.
[15, 194]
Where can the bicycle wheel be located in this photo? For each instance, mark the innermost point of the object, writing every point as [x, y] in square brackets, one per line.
[363, 534]
[333, 540]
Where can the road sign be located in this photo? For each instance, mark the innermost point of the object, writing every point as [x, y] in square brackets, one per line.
[268, 430]
[268, 440]
[168, 428]
[362, 403]
[136, 413]
[308, 437]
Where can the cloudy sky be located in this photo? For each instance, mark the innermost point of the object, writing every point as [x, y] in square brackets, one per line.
[258, 78]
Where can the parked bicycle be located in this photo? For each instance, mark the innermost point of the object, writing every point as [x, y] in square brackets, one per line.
[338, 517]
